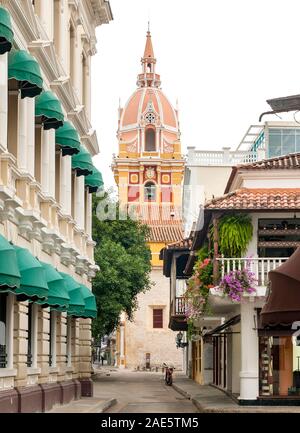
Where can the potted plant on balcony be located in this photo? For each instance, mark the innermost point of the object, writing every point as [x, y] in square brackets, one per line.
[237, 283]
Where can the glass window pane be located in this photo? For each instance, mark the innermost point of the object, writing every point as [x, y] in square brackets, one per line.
[274, 142]
[288, 141]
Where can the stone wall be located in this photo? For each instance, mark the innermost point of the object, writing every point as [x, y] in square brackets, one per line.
[142, 338]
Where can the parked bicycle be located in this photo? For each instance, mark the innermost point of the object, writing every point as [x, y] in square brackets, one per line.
[168, 374]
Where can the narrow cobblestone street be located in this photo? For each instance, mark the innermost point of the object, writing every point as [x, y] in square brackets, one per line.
[140, 392]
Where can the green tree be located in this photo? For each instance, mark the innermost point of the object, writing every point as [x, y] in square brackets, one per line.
[124, 257]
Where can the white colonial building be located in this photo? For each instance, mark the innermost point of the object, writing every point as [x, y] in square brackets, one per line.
[46, 180]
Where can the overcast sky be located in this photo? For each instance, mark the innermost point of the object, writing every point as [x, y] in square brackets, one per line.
[221, 58]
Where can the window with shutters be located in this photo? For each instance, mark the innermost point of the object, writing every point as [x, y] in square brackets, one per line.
[157, 318]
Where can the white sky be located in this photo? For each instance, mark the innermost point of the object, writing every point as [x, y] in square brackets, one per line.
[221, 58]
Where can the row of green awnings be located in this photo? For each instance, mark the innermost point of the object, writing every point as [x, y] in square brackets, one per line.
[30, 279]
[25, 70]
[6, 32]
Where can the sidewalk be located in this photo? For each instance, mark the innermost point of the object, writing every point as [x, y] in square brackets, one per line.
[89, 404]
[209, 399]
[85, 405]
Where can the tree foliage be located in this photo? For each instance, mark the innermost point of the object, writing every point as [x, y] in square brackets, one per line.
[124, 260]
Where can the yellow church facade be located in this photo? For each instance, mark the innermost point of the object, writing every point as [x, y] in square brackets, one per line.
[149, 173]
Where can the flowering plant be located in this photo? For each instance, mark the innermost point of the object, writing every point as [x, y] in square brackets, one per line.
[237, 282]
[197, 292]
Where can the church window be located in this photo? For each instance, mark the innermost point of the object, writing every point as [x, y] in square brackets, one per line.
[150, 140]
[149, 191]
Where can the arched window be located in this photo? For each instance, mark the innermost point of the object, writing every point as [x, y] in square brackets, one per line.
[150, 140]
[149, 191]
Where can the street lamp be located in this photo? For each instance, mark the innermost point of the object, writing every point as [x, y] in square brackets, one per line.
[284, 104]
[179, 342]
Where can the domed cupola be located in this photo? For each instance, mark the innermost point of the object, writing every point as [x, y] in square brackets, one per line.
[148, 122]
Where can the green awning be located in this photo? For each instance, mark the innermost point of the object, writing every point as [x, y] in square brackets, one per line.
[48, 107]
[90, 310]
[58, 297]
[33, 282]
[82, 162]
[94, 181]
[6, 32]
[68, 139]
[26, 70]
[9, 272]
[76, 304]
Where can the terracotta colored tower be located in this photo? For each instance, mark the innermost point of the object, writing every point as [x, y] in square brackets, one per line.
[149, 172]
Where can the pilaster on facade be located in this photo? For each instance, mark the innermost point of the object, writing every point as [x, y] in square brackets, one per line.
[85, 351]
[20, 342]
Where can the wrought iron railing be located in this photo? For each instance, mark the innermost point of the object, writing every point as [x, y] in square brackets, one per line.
[3, 356]
[29, 360]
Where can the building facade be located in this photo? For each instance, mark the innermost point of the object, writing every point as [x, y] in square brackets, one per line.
[46, 180]
[246, 346]
[149, 171]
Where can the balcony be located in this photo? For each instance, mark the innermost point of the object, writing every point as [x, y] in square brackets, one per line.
[224, 157]
[259, 265]
[177, 314]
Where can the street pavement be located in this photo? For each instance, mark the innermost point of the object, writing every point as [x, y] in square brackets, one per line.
[139, 392]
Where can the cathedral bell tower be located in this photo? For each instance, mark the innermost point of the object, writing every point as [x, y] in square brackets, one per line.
[149, 166]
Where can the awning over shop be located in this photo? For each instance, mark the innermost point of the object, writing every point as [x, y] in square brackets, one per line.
[76, 303]
[58, 297]
[219, 330]
[94, 181]
[33, 282]
[48, 108]
[9, 272]
[82, 163]
[68, 139]
[282, 306]
[26, 70]
[6, 32]
[90, 310]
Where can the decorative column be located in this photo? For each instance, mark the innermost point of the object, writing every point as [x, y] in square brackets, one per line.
[52, 174]
[22, 134]
[87, 86]
[249, 387]
[43, 344]
[216, 249]
[10, 330]
[20, 342]
[77, 61]
[64, 34]
[88, 214]
[45, 12]
[65, 184]
[3, 101]
[61, 344]
[45, 163]
[79, 202]
[30, 135]
[85, 357]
